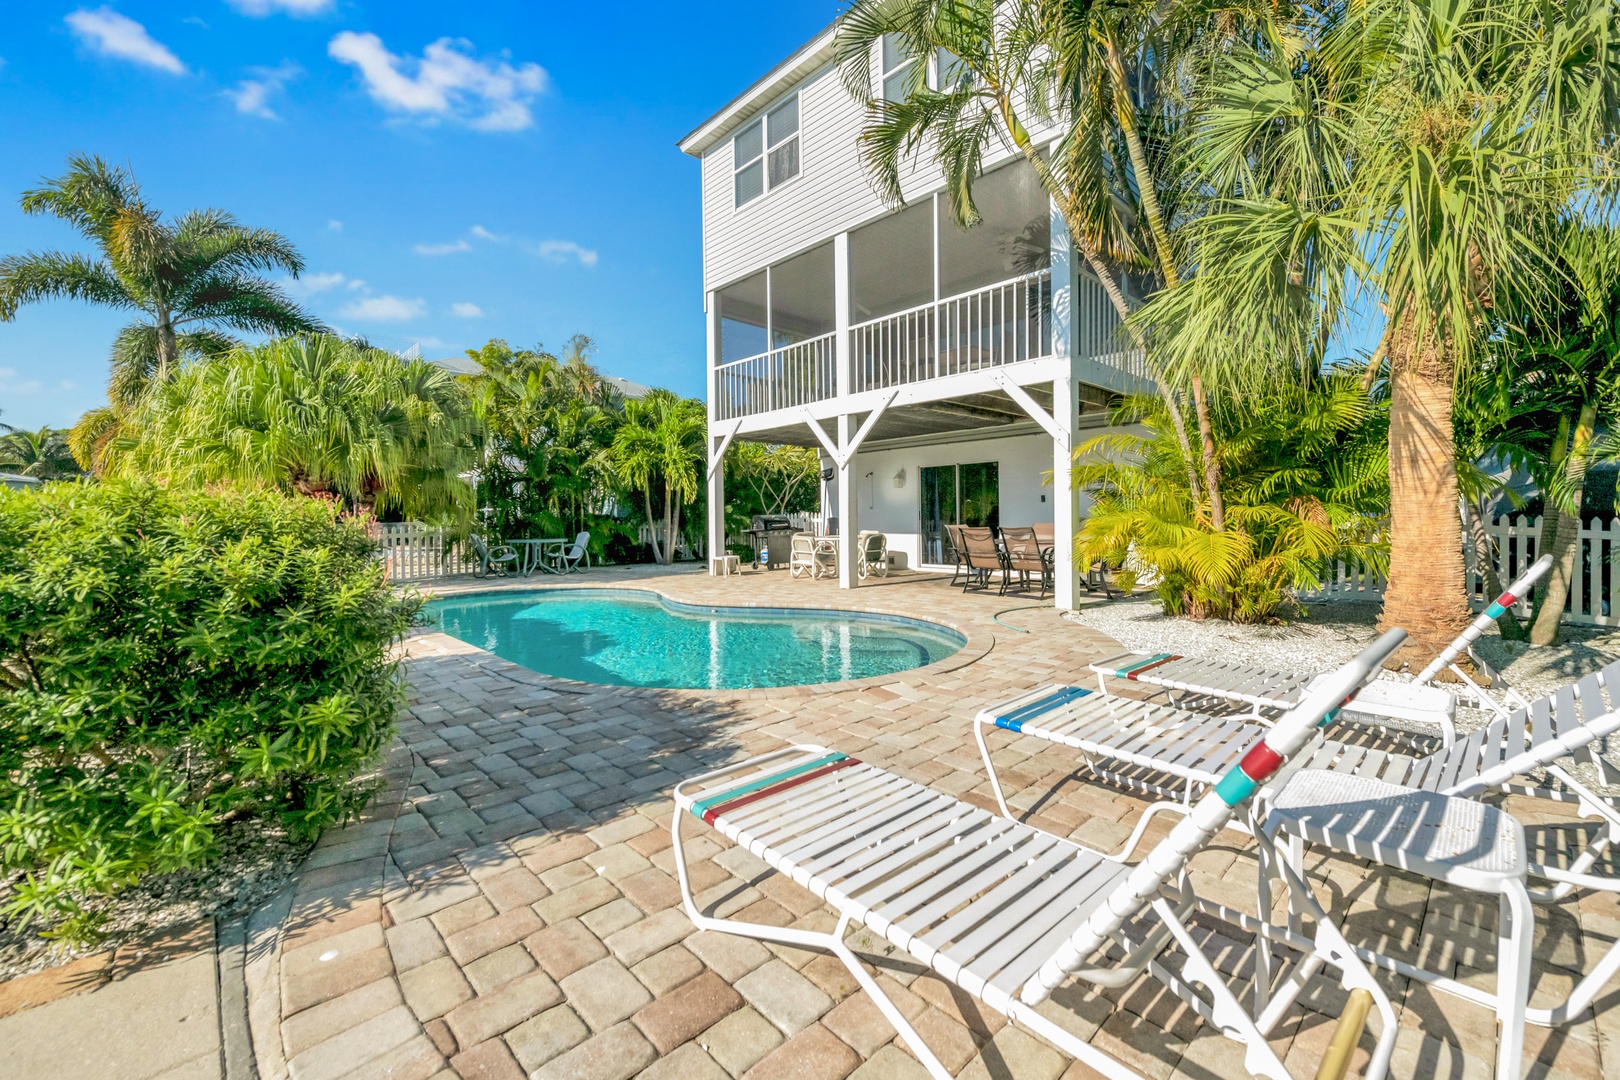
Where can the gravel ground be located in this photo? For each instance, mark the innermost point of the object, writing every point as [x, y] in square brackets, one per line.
[255, 860]
[1331, 633]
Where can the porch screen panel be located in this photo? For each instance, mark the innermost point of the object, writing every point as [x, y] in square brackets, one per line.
[742, 388]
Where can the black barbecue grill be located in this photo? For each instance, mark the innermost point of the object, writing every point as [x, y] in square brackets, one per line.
[772, 536]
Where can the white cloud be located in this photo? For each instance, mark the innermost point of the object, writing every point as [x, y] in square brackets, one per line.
[258, 9]
[451, 248]
[447, 82]
[356, 283]
[335, 225]
[385, 309]
[111, 34]
[252, 96]
[310, 284]
[484, 234]
[562, 251]
[465, 310]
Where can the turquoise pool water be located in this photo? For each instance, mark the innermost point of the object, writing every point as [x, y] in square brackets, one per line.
[634, 638]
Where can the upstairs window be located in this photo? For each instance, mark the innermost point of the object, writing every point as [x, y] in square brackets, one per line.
[949, 71]
[897, 64]
[765, 154]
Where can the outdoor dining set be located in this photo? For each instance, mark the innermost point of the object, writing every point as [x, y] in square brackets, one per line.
[548, 555]
[1021, 555]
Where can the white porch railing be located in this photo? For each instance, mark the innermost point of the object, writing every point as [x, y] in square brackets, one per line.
[989, 327]
[797, 374]
[415, 552]
[1593, 589]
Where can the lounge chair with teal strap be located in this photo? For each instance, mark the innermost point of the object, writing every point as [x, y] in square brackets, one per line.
[1004, 911]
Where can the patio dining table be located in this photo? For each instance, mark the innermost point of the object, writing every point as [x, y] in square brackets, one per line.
[538, 554]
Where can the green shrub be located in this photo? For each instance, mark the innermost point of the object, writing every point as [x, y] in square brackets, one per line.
[170, 661]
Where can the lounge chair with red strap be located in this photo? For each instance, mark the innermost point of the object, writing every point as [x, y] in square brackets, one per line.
[1006, 912]
[1405, 703]
[1180, 754]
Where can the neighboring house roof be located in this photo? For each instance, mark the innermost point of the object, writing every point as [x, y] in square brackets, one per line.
[811, 56]
[459, 365]
[16, 480]
[466, 365]
[627, 388]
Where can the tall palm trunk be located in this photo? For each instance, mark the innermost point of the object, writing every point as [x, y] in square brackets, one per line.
[1148, 193]
[669, 525]
[652, 527]
[1426, 593]
[1560, 529]
[168, 348]
[1212, 464]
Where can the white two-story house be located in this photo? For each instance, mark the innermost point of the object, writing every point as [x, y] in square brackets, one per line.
[944, 374]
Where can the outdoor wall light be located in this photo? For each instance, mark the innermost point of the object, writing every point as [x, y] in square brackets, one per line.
[900, 478]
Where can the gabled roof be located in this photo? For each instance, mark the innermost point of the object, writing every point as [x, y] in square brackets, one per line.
[810, 56]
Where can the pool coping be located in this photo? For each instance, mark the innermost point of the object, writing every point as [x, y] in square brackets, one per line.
[977, 644]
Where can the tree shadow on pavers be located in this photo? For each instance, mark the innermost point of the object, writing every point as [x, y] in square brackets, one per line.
[501, 753]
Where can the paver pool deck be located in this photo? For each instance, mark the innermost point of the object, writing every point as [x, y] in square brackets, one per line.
[507, 906]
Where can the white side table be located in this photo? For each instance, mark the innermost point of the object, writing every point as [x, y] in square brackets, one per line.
[725, 564]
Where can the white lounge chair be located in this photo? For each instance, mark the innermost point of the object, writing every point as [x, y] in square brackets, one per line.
[1179, 753]
[1006, 912]
[1267, 688]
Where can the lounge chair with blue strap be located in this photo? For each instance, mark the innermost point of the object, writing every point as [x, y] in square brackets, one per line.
[1008, 913]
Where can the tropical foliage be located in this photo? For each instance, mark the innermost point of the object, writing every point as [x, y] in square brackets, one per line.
[170, 661]
[659, 454]
[1547, 397]
[317, 416]
[548, 423]
[766, 479]
[1306, 486]
[42, 454]
[190, 283]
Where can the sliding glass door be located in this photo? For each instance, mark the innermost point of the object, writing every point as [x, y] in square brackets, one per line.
[957, 495]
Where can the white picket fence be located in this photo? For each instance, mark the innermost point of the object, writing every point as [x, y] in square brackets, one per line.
[416, 552]
[1593, 589]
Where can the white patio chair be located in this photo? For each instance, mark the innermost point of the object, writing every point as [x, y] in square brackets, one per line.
[802, 555]
[874, 554]
[1178, 753]
[1004, 911]
[1267, 688]
[576, 557]
[492, 561]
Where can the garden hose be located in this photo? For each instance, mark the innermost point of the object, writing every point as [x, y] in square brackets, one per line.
[996, 618]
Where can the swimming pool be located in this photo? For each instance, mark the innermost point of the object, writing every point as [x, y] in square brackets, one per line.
[629, 637]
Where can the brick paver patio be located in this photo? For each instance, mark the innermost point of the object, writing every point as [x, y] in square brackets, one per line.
[508, 907]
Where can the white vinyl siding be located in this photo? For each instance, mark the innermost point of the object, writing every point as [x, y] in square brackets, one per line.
[832, 193]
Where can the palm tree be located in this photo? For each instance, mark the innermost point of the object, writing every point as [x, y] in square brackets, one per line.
[316, 415]
[547, 424]
[189, 282]
[1085, 67]
[661, 446]
[1557, 379]
[1426, 150]
[42, 454]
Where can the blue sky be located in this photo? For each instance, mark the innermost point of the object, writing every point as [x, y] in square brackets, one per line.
[451, 173]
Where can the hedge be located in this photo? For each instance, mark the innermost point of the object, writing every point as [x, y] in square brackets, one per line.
[171, 661]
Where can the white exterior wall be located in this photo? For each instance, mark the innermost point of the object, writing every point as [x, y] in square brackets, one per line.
[831, 194]
[1024, 462]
